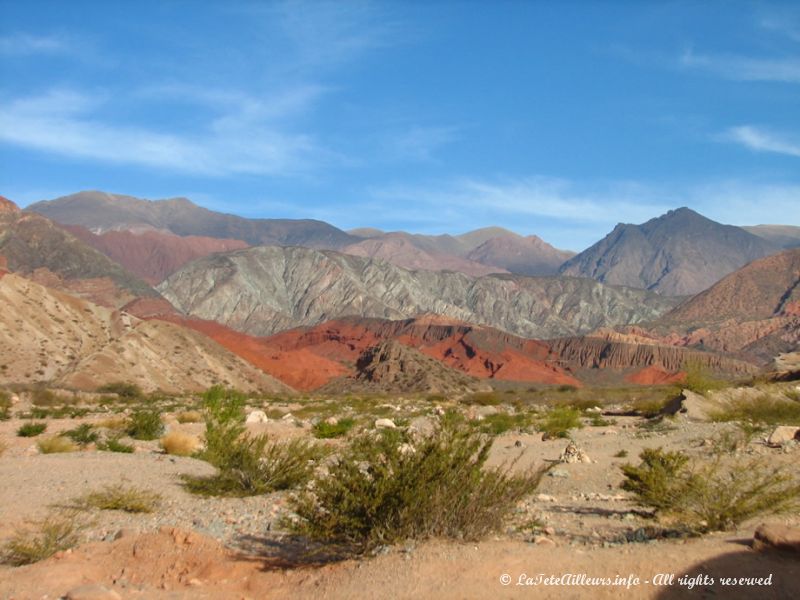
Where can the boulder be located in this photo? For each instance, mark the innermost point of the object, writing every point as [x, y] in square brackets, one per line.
[92, 591]
[257, 416]
[332, 421]
[385, 424]
[777, 537]
[783, 434]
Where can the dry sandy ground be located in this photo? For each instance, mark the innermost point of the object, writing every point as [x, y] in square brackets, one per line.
[196, 547]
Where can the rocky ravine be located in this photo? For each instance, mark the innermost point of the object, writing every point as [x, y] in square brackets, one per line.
[264, 290]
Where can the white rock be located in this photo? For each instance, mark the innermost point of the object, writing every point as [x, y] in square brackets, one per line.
[385, 424]
[545, 498]
[257, 416]
[331, 421]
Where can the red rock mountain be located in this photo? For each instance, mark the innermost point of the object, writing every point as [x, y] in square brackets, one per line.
[153, 255]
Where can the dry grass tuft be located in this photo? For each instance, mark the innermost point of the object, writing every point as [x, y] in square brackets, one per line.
[190, 416]
[41, 539]
[121, 497]
[57, 444]
[180, 443]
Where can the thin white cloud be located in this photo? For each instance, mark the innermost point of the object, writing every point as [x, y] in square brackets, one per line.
[744, 68]
[65, 123]
[761, 140]
[23, 44]
[419, 143]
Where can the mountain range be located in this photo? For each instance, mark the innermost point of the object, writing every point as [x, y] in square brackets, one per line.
[179, 297]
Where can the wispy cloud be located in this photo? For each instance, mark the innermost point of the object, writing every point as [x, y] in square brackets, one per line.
[762, 140]
[788, 25]
[419, 143]
[64, 122]
[22, 44]
[744, 68]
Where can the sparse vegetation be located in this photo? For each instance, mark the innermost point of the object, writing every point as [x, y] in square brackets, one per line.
[698, 379]
[31, 429]
[56, 445]
[115, 445]
[483, 399]
[179, 443]
[382, 491]
[499, 423]
[324, 430]
[145, 424]
[247, 465]
[621, 454]
[765, 409]
[711, 496]
[558, 422]
[41, 539]
[5, 405]
[121, 497]
[83, 434]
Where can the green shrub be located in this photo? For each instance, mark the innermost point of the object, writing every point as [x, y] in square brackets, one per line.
[325, 430]
[31, 429]
[711, 496]
[247, 465]
[558, 422]
[115, 445]
[41, 539]
[698, 379]
[83, 434]
[145, 425]
[56, 445]
[381, 492]
[656, 482]
[121, 497]
[128, 391]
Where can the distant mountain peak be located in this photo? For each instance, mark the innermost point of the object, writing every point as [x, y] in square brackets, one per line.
[7, 206]
[678, 253]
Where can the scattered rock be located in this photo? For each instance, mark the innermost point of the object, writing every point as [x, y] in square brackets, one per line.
[257, 416]
[92, 591]
[545, 498]
[541, 540]
[558, 473]
[385, 424]
[519, 444]
[611, 432]
[406, 448]
[331, 421]
[777, 537]
[422, 425]
[783, 434]
[572, 454]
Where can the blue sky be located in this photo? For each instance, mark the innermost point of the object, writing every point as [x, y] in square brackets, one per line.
[554, 118]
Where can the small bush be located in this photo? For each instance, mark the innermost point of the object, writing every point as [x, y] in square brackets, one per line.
[145, 425]
[190, 416]
[56, 445]
[558, 422]
[45, 397]
[41, 539]
[710, 496]
[180, 443]
[323, 430]
[115, 445]
[380, 492]
[83, 434]
[128, 391]
[31, 429]
[655, 481]
[121, 497]
[5, 406]
[247, 465]
[621, 454]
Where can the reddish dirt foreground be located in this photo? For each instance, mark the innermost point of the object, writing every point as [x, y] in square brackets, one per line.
[653, 375]
[175, 564]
